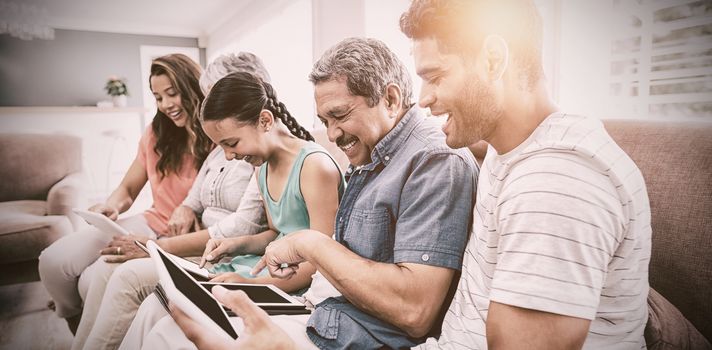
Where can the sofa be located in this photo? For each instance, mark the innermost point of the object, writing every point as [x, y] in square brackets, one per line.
[40, 182]
[676, 161]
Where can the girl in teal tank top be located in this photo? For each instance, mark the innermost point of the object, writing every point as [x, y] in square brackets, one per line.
[299, 181]
[288, 214]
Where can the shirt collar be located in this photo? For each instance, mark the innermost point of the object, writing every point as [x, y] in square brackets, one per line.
[391, 143]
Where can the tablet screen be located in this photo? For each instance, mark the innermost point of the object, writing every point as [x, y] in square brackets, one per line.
[259, 294]
[198, 295]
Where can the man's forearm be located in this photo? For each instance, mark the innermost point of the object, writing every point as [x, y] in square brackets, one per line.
[408, 296]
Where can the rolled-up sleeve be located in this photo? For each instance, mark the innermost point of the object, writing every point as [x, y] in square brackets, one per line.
[435, 215]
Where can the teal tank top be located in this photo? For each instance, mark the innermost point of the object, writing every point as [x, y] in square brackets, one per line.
[288, 214]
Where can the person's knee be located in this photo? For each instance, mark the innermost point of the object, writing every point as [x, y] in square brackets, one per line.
[135, 274]
[51, 262]
[68, 256]
[133, 280]
[99, 270]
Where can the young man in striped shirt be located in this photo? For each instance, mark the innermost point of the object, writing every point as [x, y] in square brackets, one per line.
[559, 253]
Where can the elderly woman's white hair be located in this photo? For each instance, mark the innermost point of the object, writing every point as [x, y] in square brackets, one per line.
[231, 63]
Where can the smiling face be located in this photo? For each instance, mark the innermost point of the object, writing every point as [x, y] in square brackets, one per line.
[354, 126]
[458, 90]
[243, 141]
[168, 99]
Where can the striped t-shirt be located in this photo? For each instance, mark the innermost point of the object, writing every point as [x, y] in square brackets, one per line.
[562, 225]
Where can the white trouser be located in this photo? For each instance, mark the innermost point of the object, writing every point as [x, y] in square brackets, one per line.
[153, 328]
[129, 284]
[77, 254]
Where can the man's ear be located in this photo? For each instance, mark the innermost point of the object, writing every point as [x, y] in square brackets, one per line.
[394, 99]
[266, 120]
[496, 53]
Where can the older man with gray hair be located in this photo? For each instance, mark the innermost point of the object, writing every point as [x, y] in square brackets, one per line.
[402, 223]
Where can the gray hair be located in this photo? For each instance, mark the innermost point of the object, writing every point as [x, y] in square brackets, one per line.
[231, 63]
[368, 66]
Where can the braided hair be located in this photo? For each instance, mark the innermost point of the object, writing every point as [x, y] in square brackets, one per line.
[280, 110]
[242, 96]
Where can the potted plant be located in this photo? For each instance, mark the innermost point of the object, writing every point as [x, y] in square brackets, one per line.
[116, 88]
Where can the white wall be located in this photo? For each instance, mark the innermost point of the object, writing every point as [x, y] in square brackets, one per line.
[382, 22]
[281, 37]
[333, 21]
[583, 62]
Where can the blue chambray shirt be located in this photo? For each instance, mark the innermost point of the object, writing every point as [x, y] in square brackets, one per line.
[412, 204]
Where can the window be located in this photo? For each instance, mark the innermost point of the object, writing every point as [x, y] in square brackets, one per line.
[635, 58]
[661, 60]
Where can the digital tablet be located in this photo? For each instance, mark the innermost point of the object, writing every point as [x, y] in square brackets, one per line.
[200, 274]
[266, 296]
[103, 223]
[183, 291]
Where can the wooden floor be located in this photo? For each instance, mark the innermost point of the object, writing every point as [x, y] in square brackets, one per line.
[27, 323]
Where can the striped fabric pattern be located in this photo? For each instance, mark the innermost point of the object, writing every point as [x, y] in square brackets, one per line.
[562, 225]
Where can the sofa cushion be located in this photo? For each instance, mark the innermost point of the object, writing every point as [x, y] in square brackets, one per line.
[32, 163]
[676, 161]
[15, 215]
[25, 230]
[668, 329]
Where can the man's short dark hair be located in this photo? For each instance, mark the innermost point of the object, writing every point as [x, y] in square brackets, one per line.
[460, 26]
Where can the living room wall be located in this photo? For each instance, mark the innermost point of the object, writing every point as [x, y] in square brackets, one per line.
[71, 69]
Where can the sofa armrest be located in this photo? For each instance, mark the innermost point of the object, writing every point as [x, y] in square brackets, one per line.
[65, 195]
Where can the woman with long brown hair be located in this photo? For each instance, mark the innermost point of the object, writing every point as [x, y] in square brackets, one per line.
[169, 155]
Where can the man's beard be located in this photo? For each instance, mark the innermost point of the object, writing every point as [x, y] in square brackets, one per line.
[478, 113]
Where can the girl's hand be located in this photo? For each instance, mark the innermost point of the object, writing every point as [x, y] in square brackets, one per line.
[106, 210]
[217, 249]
